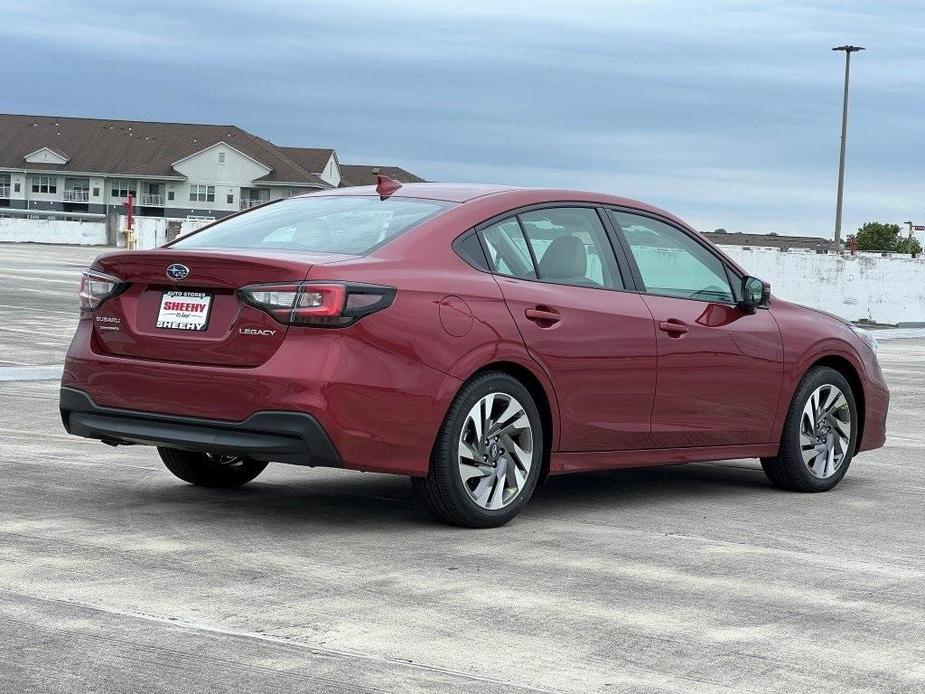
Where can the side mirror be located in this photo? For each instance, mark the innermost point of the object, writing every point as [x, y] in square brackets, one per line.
[755, 293]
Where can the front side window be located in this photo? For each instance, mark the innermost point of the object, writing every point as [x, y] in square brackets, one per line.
[45, 184]
[200, 193]
[349, 224]
[571, 247]
[671, 262]
[508, 253]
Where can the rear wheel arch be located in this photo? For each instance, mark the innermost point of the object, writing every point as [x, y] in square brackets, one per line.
[538, 390]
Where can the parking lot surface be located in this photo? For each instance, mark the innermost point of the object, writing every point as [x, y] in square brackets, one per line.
[117, 577]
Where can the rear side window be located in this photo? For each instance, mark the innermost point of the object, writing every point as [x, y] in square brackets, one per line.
[671, 262]
[571, 247]
[507, 249]
[353, 225]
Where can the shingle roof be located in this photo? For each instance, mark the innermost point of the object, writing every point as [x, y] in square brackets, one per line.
[309, 158]
[365, 174]
[139, 148]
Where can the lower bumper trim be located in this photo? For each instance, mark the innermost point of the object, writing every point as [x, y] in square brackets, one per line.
[282, 437]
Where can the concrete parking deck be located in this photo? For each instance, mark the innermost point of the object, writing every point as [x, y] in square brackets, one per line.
[117, 577]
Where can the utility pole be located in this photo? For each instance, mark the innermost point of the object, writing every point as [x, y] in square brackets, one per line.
[844, 131]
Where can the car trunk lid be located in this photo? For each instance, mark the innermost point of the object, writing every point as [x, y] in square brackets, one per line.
[193, 313]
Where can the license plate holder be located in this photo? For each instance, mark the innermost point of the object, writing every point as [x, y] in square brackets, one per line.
[184, 310]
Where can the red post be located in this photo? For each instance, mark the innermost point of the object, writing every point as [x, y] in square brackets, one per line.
[854, 245]
[129, 204]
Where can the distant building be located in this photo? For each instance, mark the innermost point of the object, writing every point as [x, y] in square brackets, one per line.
[56, 165]
[365, 175]
[768, 240]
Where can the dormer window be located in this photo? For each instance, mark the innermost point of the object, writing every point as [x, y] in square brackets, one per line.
[46, 155]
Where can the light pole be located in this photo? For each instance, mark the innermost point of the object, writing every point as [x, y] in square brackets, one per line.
[844, 129]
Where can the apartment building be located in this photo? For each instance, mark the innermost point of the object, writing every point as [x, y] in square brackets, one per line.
[68, 166]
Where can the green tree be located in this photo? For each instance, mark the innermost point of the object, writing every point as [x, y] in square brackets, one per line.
[879, 236]
[908, 245]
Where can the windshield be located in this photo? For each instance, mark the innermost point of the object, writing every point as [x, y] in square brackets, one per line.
[352, 225]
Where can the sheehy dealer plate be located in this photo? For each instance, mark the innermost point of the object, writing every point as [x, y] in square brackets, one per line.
[184, 310]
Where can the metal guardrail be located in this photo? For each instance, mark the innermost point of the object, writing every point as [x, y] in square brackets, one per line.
[76, 196]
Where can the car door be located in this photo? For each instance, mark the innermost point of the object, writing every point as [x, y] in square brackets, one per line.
[720, 365]
[561, 281]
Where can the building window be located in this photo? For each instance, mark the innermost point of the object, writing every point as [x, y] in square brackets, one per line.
[17, 187]
[170, 195]
[230, 198]
[45, 184]
[221, 157]
[81, 184]
[122, 189]
[202, 193]
[96, 191]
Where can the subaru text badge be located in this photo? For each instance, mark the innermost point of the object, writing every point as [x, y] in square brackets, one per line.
[177, 271]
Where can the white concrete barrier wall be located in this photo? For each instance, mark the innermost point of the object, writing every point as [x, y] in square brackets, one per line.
[866, 286]
[151, 232]
[21, 230]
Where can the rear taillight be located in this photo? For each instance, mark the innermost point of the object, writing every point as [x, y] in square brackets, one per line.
[319, 304]
[97, 287]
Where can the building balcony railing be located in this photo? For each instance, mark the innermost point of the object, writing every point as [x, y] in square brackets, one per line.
[247, 204]
[151, 200]
[4, 191]
[76, 195]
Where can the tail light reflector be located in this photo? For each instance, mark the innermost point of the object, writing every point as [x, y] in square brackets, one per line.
[319, 304]
[97, 287]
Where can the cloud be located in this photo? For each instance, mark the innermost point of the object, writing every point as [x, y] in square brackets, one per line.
[726, 112]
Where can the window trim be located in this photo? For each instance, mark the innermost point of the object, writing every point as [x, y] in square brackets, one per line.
[487, 252]
[47, 181]
[626, 262]
[623, 268]
[731, 272]
[115, 188]
[202, 189]
[457, 247]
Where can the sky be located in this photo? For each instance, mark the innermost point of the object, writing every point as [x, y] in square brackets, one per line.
[726, 113]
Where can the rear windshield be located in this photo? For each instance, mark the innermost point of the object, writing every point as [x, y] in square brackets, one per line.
[352, 225]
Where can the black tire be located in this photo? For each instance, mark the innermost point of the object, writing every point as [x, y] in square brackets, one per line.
[442, 491]
[787, 470]
[210, 471]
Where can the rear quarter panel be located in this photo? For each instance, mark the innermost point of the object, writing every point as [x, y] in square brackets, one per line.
[446, 315]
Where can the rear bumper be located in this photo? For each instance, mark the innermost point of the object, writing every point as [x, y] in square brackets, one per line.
[284, 437]
[380, 411]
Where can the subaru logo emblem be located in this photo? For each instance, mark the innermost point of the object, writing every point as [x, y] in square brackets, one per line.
[177, 271]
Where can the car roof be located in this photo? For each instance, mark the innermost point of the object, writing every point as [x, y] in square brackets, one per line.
[450, 192]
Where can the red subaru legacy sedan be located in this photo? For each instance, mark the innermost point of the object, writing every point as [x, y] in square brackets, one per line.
[473, 338]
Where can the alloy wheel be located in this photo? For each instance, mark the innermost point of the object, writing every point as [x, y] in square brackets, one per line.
[226, 460]
[825, 431]
[495, 451]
